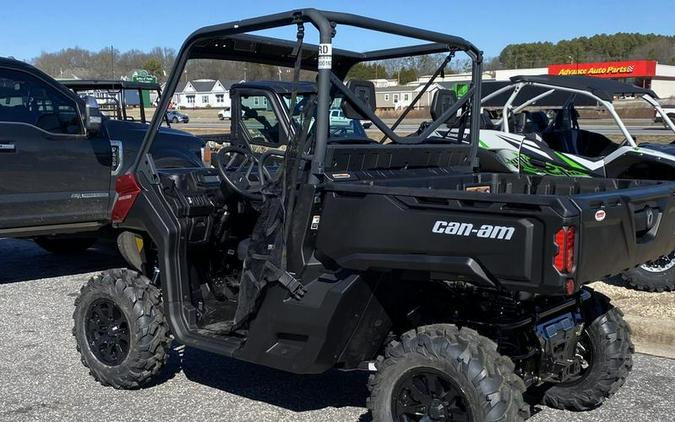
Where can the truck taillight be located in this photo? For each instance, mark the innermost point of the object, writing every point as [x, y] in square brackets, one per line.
[127, 190]
[564, 257]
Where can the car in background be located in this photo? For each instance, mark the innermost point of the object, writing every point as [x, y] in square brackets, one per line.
[337, 118]
[175, 116]
[669, 110]
[225, 113]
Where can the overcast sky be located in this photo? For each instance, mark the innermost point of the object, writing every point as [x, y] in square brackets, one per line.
[32, 26]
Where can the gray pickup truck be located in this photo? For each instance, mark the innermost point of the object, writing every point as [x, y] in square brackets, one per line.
[60, 158]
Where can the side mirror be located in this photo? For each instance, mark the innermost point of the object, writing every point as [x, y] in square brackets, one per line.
[92, 115]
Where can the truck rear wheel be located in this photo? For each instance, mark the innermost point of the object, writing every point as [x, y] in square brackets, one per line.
[655, 276]
[65, 245]
[120, 329]
[607, 353]
[440, 372]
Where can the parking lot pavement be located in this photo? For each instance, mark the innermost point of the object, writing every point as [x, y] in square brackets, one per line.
[41, 378]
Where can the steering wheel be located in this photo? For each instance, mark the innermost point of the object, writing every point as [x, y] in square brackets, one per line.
[238, 168]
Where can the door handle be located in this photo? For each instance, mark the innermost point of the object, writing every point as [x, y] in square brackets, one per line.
[5, 147]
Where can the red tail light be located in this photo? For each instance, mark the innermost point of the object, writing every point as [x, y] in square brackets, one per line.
[127, 191]
[564, 257]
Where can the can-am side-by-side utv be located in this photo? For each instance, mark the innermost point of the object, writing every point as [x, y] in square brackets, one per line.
[460, 290]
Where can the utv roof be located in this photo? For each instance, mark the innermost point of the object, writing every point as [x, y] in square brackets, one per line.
[85, 84]
[605, 89]
[556, 99]
[281, 87]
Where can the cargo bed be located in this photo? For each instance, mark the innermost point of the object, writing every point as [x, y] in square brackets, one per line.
[496, 230]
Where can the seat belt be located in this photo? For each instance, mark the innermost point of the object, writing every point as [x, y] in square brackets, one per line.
[285, 278]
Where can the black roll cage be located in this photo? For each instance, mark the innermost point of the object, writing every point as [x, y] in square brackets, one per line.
[229, 41]
[116, 86]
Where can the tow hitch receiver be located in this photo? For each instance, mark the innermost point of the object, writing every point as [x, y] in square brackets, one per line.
[559, 338]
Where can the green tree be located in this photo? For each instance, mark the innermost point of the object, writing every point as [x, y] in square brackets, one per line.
[367, 71]
[153, 65]
[406, 74]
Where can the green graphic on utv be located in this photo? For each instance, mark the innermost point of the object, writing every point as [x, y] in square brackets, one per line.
[550, 169]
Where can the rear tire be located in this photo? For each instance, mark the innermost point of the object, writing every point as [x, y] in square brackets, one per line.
[65, 245]
[656, 276]
[464, 374]
[120, 330]
[611, 360]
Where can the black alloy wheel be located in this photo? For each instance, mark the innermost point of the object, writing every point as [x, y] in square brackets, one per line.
[426, 394]
[108, 333]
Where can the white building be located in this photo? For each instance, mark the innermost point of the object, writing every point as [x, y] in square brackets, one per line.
[204, 93]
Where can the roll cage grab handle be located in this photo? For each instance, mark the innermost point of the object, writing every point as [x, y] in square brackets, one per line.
[325, 22]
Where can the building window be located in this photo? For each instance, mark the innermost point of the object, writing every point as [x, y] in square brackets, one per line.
[395, 98]
[205, 99]
[256, 101]
[190, 99]
[406, 97]
[220, 98]
[386, 97]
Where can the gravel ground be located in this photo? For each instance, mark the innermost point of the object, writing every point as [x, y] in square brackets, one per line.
[41, 378]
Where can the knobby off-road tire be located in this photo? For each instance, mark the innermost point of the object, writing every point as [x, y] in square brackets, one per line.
[483, 380]
[607, 336]
[120, 329]
[64, 245]
[657, 276]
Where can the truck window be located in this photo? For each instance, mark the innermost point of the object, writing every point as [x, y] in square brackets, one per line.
[259, 120]
[26, 99]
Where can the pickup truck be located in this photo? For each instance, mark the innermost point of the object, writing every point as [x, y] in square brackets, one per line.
[60, 158]
[670, 112]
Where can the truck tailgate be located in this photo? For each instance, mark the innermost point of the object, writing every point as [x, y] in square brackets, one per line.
[623, 229]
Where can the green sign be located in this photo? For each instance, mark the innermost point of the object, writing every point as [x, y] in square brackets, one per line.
[142, 75]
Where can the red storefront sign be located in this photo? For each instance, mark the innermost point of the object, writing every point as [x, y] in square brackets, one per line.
[617, 70]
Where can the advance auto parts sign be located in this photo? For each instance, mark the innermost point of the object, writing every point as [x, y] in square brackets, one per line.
[622, 69]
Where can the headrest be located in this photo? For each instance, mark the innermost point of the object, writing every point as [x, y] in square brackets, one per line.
[364, 91]
[442, 101]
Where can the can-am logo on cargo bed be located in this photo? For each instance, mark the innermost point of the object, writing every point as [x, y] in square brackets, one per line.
[485, 231]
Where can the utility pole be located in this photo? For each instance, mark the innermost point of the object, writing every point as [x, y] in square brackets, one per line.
[112, 61]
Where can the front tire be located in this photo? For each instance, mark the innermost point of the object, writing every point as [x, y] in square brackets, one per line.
[120, 330]
[440, 372]
[655, 276]
[608, 351]
[65, 245]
